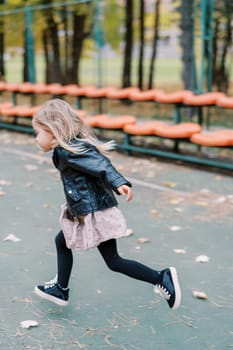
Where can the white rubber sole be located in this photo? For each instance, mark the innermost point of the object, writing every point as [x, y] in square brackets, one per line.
[51, 298]
[177, 287]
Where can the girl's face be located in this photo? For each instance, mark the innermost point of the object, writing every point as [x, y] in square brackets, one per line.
[44, 138]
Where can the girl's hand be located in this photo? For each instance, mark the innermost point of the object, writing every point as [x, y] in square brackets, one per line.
[126, 190]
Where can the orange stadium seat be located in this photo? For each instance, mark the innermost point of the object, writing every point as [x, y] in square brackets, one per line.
[177, 131]
[116, 122]
[225, 102]
[26, 87]
[149, 95]
[2, 85]
[19, 111]
[219, 138]
[142, 129]
[13, 87]
[173, 97]
[93, 121]
[77, 90]
[206, 99]
[121, 93]
[97, 92]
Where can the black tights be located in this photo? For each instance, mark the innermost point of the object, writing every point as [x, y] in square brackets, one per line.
[110, 255]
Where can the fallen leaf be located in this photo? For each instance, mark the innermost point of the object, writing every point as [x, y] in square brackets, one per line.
[179, 251]
[52, 171]
[176, 200]
[202, 259]
[129, 232]
[19, 334]
[205, 191]
[22, 300]
[5, 183]
[154, 212]
[179, 210]
[169, 184]
[12, 237]
[28, 324]
[142, 240]
[28, 184]
[221, 200]
[201, 203]
[46, 205]
[200, 295]
[175, 228]
[134, 170]
[30, 167]
[150, 174]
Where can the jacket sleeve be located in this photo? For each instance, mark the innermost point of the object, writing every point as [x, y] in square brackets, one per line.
[94, 163]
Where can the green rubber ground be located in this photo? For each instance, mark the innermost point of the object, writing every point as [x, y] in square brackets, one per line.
[178, 212]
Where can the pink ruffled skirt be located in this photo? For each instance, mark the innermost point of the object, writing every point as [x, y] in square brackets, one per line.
[96, 227]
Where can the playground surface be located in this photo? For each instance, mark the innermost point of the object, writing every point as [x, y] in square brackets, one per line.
[180, 215]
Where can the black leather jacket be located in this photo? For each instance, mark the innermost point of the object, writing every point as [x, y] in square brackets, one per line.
[89, 179]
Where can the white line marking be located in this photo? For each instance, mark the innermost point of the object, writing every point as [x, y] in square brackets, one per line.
[133, 180]
[154, 186]
[27, 154]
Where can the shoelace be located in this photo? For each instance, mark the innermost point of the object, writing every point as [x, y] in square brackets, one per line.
[48, 286]
[51, 282]
[162, 291]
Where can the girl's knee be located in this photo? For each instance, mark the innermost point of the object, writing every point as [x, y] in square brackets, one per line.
[114, 264]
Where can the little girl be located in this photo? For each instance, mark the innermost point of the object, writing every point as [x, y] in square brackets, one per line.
[90, 218]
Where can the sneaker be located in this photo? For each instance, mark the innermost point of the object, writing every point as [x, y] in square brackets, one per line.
[53, 293]
[168, 287]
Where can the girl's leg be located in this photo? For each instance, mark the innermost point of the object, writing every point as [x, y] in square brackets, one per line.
[58, 292]
[165, 282]
[130, 268]
[64, 260]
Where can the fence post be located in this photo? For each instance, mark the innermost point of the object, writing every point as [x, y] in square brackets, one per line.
[207, 9]
[30, 45]
[210, 45]
[98, 39]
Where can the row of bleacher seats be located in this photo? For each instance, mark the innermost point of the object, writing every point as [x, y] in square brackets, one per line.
[130, 126]
[182, 96]
[190, 132]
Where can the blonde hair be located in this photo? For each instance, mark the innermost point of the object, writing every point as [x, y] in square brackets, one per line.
[63, 122]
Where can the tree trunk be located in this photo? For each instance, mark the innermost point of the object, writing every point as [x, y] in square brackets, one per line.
[221, 45]
[54, 73]
[154, 43]
[77, 46]
[215, 48]
[25, 60]
[224, 81]
[141, 48]
[187, 41]
[66, 43]
[46, 54]
[2, 51]
[126, 78]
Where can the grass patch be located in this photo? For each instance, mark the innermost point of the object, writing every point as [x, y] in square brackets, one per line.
[167, 71]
